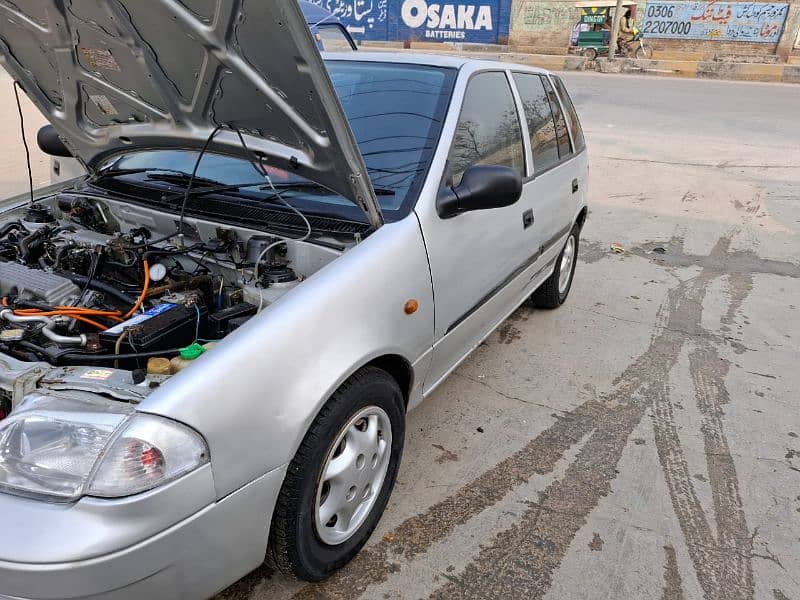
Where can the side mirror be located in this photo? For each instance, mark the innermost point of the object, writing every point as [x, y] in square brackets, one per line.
[50, 143]
[482, 187]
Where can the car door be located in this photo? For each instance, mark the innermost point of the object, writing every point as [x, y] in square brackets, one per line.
[475, 257]
[580, 160]
[553, 188]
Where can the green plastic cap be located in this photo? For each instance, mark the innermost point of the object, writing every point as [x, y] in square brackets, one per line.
[192, 352]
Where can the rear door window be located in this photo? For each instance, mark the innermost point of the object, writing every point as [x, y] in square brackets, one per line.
[488, 131]
[572, 115]
[541, 125]
[564, 145]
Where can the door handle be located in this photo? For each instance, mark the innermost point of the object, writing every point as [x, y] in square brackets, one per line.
[527, 219]
[575, 186]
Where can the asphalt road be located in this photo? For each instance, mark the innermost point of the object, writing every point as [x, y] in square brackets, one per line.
[644, 440]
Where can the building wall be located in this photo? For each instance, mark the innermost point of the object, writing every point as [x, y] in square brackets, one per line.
[470, 21]
[541, 23]
[547, 24]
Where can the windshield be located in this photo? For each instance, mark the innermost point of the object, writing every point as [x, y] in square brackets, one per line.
[395, 112]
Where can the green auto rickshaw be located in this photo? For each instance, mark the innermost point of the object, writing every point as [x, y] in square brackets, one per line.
[592, 34]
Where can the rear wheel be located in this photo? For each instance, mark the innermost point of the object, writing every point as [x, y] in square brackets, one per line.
[589, 53]
[554, 291]
[644, 51]
[340, 480]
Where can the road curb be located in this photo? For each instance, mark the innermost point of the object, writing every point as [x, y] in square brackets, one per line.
[703, 69]
[695, 69]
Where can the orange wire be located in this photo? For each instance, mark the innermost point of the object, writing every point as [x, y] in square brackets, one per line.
[55, 313]
[145, 289]
[100, 326]
[62, 310]
[82, 314]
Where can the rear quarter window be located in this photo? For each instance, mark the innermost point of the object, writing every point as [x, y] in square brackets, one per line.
[562, 133]
[572, 115]
[541, 125]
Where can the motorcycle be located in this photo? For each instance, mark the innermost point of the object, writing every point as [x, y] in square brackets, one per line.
[635, 47]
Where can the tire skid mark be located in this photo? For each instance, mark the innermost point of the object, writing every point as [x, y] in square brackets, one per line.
[520, 561]
[673, 586]
[417, 534]
[723, 563]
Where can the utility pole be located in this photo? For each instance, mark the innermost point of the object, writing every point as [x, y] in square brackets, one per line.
[612, 44]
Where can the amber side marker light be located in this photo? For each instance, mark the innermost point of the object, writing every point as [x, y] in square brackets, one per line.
[411, 307]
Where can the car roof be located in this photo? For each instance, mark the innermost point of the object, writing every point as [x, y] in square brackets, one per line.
[432, 60]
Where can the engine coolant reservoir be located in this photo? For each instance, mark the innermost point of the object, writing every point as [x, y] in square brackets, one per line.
[188, 355]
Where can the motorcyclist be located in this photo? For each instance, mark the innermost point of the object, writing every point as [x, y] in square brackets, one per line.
[627, 31]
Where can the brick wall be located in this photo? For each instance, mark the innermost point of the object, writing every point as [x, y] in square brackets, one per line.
[547, 25]
[542, 23]
[709, 48]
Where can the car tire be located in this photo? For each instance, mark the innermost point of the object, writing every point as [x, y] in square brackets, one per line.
[299, 544]
[554, 291]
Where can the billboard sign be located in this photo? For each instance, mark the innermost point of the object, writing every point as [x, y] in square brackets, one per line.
[479, 21]
[474, 22]
[723, 21]
[364, 19]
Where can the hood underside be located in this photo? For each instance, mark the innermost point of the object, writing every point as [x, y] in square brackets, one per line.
[118, 75]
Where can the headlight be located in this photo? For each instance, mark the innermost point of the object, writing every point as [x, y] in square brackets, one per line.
[64, 448]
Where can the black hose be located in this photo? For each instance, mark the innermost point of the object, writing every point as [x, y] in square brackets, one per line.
[9, 227]
[35, 353]
[96, 257]
[170, 252]
[112, 357]
[28, 304]
[27, 243]
[99, 286]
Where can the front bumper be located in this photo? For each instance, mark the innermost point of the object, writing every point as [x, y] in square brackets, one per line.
[194, 559]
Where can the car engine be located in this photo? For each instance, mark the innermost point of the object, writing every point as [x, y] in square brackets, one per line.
[82, 285]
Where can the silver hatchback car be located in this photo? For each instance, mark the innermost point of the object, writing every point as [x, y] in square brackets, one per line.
[209, 343]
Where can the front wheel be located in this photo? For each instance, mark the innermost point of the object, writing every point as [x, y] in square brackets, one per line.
[340, 480]
[554, 291]
[644, 51]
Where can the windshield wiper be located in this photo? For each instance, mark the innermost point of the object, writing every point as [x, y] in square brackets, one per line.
[112, 172]
[181, 178]
[156, 174]
[208, 191]
[316, 186]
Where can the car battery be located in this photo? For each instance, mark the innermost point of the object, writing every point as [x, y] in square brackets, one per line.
[163, 327]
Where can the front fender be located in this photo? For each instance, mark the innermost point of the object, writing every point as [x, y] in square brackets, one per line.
[255, 395]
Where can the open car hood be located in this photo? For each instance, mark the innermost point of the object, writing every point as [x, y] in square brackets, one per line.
[117, 75]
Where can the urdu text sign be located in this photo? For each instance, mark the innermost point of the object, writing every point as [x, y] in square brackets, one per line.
[723, 21]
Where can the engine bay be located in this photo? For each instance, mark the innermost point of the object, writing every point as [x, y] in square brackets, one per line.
[84, 283]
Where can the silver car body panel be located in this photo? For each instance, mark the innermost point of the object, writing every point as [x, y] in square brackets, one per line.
[112, 76]
[254, 397]
[506, 262]
[259, 390]
[192, 557]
